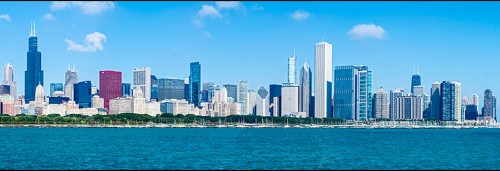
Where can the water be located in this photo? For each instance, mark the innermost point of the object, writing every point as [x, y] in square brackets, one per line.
[233, 148]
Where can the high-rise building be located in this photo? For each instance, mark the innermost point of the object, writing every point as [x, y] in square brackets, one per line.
[323, 81]
[291, 68]
[495, 118]
[195, 83]
[353, 92]
[170, 89]
[488, 105]
[97, 102]
[451, 101]
[34, 73]
[408, 107]
[262, 102]
[138, 101]
[83, 97]
[275, 91]
[471, 112]
[55, 87]
[110, 85]
[474, 100]
[305, 90]
[232, 91]
[120, 105]
[436, 110]
[142, 79]
[39, 94]
[8, 76]
[418, 90]
[415, 81]
[380, 104]
[394, 94]
[126, 89]
[252, 102]
[243, 97]
[71, 78]
[154, 87]
[289, 99]
[427, 105]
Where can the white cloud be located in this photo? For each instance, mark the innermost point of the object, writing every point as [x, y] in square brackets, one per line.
[227, 4]
[300, 15]
[197, 21]
[209, 11]
[93, 42]
[5, 17]
[257, 7]
[88, 7]
[208, 34]
[48, 17]
[367, 30]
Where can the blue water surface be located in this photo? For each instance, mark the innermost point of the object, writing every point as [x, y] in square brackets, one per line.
[251, 148]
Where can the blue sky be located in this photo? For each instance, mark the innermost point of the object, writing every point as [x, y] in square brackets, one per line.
[456, 41]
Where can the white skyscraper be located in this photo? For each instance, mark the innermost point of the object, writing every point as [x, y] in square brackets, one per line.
[323, 81]
[252, 100]
[242, 97]
[262, 102]
[138, 101]
[380, 104]
[9, 79]
[305, 90]
[289, 99]
[458, 101]
[142, 79]
[291, 68]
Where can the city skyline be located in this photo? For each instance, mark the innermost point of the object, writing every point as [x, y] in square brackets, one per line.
[55, 53]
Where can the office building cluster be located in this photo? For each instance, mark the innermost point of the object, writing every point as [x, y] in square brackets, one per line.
[344, 92]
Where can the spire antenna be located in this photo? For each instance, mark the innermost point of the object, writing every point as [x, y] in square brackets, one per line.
[418, 67]
[31, 29]
[294, 50]
[74, 67]
[414, 70]
[34, 29]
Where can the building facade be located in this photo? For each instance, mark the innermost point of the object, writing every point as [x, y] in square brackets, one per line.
[34, 73]
[195, 83]
[323, 81]
[262, 102]
[289, 99]
[82, 93]
[110, 85]
[142, 80]
[380, 104]
[305, 90]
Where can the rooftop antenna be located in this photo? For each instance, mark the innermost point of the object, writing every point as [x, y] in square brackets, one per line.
[34, 29]
[418, 67]
[69, 67]
[414, 69]
[31, 29]
[74, 67]
[293, 50]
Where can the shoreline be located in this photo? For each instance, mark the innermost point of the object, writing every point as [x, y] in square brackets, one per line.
[248, 126]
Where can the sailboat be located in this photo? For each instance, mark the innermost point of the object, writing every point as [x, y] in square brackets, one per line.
[287, 126]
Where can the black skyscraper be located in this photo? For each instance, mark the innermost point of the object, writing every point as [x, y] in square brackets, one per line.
[33, 74]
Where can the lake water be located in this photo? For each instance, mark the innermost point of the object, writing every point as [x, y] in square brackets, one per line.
[257, 148]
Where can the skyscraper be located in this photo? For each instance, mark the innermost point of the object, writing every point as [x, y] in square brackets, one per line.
[275, 91]
[71, 78]
[262, 102]
[291, 68]
[380, 104]
[408, 107]
[8, 76]
[436, 110]
[55, 87]
[394, 94]
[474, 100]
[34, 73]
[243, 97]
[142, 80]
[289, 99]
[110, 86]
[488, 105]
[323, 81]
[170, 89]
[82, 94]
[154, 87]
[415, 81]
[195, 83]
[353, 92]
[305, 90]
[232, 91]
[451, 101]
[126, 89]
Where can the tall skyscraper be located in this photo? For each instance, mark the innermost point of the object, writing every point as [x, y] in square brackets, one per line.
[83, 96]
[488, 105]
[291, 68]
[243, 97]
[289, 99]
[474, 100]
[415, 81]
[323, 81]
[305, 90]
[110, 86]
[451, 101]
[394, 94]
[126, 89]
[154, 87]
[55, 87]
[380, 104]
[71, 78]
[436, 110]
[195, 83]
[232, 91]
[142, 80]
[262, 102]
[275, 91]
[170, 89]
[34, 73]
[8, 79]
[353, 92]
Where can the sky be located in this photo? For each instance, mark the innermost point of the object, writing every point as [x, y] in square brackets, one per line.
[234, 41]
